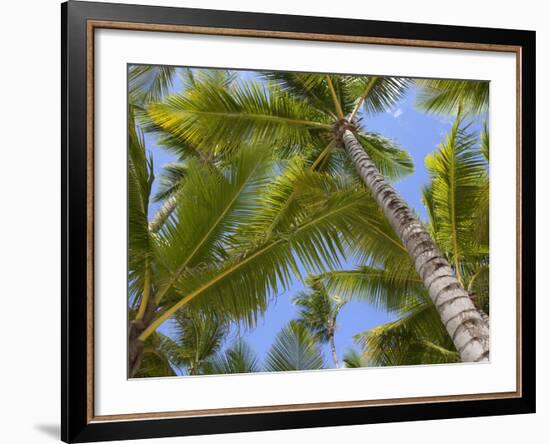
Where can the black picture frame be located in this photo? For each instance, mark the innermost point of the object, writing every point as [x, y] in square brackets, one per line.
[76, 423]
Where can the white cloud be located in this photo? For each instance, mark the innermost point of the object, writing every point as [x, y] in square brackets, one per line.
[395, 113]
[445, 119]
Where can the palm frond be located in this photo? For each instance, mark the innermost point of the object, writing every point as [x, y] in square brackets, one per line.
[155, 361]
[318, 310]
[392, 161]
[457, 171]
[481, 214]
[418, 337]
[389, 288]
[377, 94]
[484, 145]
[311, 88]
[294, 349]
[292, 197]
[281, 208]
[192, 77]
[239, 358]
[149, 83]
[353, 359]
[317, 243]
[428, 201]
[170, 184]
[214, 118]
[154, 365]
[210, 207]
[240, 286]
[170, 180]
[140, 179]
[445, 96]
[197, 338]
[478, 286]
[376, 241]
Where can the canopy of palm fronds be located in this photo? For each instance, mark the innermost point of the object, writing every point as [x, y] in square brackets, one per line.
[261, 194]
[295, 112]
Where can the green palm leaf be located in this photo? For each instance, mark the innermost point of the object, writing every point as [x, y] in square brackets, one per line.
[446, 96]
[376, 241]
[170, 180]
[215, 118]
[170, 184]
[148, 83]
[155, 361]
[418, 337]
[154, 365]
[316, 243]
[457, 171]
[389, 288]
[392, 161]
[210, 207]
[239, 358]
[318, 310]
[481, 214]
[191, 77]
[310, 88]
[294, 349]
[377, 94]
[353, 359]
[140, 179]
[197, 338]
[238, 281]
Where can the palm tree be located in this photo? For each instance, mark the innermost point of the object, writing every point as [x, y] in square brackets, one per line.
[317, 115]
[220, 250]
[457, 202]
[294, 349]
[196, 338]
[318, 312]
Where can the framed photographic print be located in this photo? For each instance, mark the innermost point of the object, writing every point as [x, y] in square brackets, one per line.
[276, 221]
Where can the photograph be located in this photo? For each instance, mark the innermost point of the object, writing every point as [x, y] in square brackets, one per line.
[254, 222]
[284, 221]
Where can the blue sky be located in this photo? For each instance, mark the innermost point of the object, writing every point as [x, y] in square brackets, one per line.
[415, 131]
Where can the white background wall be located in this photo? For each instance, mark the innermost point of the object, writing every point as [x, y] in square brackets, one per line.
[30, 208]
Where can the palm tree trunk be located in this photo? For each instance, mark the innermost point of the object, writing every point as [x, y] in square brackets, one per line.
[333, 351]
[135, 346]
[468, 330]
[484, 316]
[135, 351]
[163, 213]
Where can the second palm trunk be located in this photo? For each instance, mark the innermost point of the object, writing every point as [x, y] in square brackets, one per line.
[468, 330]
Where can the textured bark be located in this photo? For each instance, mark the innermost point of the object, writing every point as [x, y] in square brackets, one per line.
[333, 351]
[135, 346]
[163, 213]
[484, 316]
[468, 330]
